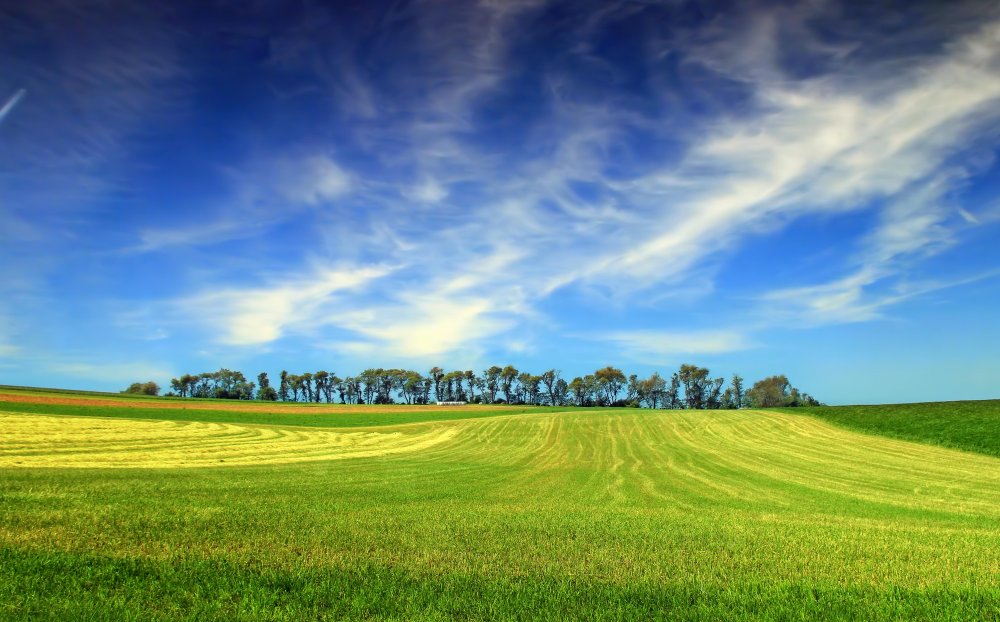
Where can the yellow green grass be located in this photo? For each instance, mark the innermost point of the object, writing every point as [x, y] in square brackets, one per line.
[578, 514]
[66, 442]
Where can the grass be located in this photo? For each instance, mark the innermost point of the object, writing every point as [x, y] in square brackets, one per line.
[36, 441]
[972, 426]
[367, 417]
[8, 388]
[602, 515]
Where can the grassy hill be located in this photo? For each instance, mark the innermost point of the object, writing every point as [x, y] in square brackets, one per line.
[582, 514]
[969, 425]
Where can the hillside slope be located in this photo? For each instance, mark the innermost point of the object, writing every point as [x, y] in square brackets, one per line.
[968, 425]
[598, 514]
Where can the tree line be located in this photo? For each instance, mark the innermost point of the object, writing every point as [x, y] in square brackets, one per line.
[690, 387]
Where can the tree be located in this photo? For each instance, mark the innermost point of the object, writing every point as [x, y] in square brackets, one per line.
[436, 374]
[507, 378]
[351, 390]
[411, 387]
[583, 390]
[713, 399]
[452, 385]
[737, 391]
[185, 385]
[143, 388]
[770, 392]
[324, 385]
[368, 384]
[334, 386]
[425, 393]
[633, 390]
[529, 384]
[672, 399]
[577, 389]
[610, 381]
[355, 394]
[549, 380]
[222, 384]
[728, 399]
[295, 383]
[695, 381]
[307, 386]
[388, 380]
[491, 383]
[591, 389]
[320, 379]
[690, 387]
[808, 400]
[777, 391]
[283, 387]
[472, 381]
[265, 391]
[190, 381]
[560, 393]
[200, 386]
[653, 390]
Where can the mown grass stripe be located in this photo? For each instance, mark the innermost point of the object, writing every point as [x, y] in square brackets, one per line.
[590, 514]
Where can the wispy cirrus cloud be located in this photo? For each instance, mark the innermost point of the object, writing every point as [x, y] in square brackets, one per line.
[827, 144]
[847, 300]
[97, 74]
[913, 226]
[264, 193]
[262, 314]
[852, 135]
[11, 103]
[442, 179]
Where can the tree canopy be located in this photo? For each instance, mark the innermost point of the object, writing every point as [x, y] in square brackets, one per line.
[143, 388]
[690, 387]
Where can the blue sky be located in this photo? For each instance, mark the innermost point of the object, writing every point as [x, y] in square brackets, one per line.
[810, 189]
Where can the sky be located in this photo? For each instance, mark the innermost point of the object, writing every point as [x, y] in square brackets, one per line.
[809, 189]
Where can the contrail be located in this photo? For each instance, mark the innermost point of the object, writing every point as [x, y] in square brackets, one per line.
[10, 104]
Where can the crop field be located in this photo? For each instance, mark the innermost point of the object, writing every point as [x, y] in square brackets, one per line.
[179, 509]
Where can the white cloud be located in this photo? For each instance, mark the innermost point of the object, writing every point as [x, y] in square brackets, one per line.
[658, 346]
[428, 325]
[495, 230]
[313, 180]
[846, 300]
[826, 144]
[838, 301]
[914, 225]
[258, 315]
[428, 191]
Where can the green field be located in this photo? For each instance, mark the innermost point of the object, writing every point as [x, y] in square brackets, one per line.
[972, 426]
[152, 513]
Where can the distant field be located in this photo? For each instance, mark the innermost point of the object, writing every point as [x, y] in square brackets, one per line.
[972, 426]
[229, 411]
[159, 513]
[33, 394]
